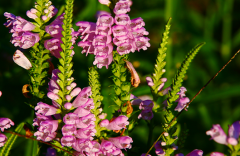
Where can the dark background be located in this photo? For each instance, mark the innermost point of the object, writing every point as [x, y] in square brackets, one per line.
[215, 22]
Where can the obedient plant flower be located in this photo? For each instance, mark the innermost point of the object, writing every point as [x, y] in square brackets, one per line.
[122, 142]
[3, 139]
[24, 40]
[220, 137]
[182, 100]
[45, 109]
[5, 123]
[128, 34]
[118, 123]
[217, 134]
[17, 23]
[20, 59]
[146, 106]
[47, 14]
[21, 29]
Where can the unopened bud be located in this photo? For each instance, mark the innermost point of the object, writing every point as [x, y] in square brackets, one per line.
[68, 105]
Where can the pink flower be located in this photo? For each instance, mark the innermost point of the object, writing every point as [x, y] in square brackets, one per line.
[149, 81]
[5, 123]
[137, 23]
[122, 142]
[218, 134]
[85, 121]
[118, 123]
[68, 140]
[45, 136]
[68, 130]
[82, 97]
[45, 109]
[86, 27]
[70, 118]
[48, 126]
[20, 59]
[104, 123]
[32, 13]
[24, 40]
[105, 20]
[39, 118]
[17, 23]
[3, 139]
[122, 7]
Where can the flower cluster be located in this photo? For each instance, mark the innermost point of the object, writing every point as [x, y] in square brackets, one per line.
[78, 126]
[21, 31]
[5, 123]
[128, 35]
[47, 14]
[54, 30]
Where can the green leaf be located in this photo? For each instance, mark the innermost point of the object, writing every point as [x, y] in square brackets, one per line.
[177, 81]
[8, 145]
[61, 68]
[160, 64]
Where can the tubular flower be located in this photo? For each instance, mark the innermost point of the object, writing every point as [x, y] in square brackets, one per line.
[220, 137]
[20, 59]
[146, 106]
[3, 139]
[21, 29]
[128, 34]
[218, 134]
[5, 123]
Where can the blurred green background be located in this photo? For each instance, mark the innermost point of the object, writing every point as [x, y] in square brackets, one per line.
[216, 22]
